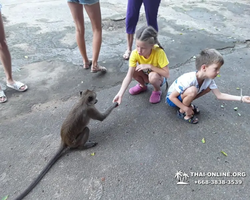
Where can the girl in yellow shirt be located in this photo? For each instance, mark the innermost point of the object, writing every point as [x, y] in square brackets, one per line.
[148, 63]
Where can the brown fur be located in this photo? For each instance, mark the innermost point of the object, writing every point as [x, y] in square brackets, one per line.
[74, 131]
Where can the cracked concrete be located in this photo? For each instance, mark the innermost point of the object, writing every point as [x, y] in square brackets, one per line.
[141, 146]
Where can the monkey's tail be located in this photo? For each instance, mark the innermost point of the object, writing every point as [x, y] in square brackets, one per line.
[45, 170]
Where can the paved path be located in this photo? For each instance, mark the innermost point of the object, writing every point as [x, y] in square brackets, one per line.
[141, 146]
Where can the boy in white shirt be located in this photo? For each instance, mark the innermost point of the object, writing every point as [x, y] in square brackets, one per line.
[193, 85]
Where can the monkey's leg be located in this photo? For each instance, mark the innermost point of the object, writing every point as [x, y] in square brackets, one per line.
[82, 140]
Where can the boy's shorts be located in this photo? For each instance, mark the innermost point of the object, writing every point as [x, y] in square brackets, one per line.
[84, 2]
[171, 103]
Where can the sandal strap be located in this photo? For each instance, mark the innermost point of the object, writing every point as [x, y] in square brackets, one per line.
[2, 94]
[192, 120]
[195, 109]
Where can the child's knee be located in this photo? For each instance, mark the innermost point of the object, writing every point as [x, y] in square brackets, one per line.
[154, 78]
[191, 91]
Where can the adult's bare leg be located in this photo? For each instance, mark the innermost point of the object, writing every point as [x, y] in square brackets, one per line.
[94, 13]
[130, 38]
[5, 54]
[5, 58]
[78, 16]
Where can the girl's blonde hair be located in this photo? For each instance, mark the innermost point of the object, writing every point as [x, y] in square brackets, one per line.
[148, 34]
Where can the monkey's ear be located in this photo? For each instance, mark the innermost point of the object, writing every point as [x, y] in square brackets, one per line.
[80, 93]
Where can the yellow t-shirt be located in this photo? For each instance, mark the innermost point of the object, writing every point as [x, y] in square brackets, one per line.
[157, 58]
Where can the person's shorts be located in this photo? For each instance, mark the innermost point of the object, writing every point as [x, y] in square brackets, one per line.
[84, 2]
[170, 102]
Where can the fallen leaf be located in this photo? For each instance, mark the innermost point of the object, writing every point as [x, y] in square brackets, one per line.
[237, 88]
[103, 178]
[223, 153]
[218, 75]
[235, 108]
[26, 57]
[203, 140]
[239, 114]
[222, 106]
[6, 197]
[180, 33]
[92, 154]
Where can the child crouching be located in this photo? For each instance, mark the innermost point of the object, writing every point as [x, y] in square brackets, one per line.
[193, 85]
[148, 63]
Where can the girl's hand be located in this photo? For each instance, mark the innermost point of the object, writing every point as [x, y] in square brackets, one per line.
[142, 67]
[117, 99]
[246, 99]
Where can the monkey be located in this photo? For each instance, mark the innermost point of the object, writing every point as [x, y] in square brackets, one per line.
[74, 131]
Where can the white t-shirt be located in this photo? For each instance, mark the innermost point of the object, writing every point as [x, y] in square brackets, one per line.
[189, 79]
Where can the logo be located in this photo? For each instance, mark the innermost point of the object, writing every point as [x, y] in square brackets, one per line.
[182, 178]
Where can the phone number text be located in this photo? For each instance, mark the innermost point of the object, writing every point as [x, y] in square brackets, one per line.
[219, 182]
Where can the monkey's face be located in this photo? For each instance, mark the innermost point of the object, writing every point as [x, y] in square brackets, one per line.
[90, 97]
[92, 100]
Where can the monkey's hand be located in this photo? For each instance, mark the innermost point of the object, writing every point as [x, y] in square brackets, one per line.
[116, 104]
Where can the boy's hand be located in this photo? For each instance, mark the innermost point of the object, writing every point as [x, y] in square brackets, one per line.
[189, 111]
[246, 99]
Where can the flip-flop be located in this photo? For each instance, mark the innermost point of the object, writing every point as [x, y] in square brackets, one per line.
[17, 86]
[126, 55]
[3, 97]
[87, 67]
[100, 69]
[191, 120]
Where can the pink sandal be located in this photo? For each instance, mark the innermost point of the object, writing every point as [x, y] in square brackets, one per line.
[137, 89]
[155, 97]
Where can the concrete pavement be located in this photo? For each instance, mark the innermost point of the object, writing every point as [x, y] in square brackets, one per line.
[141, 146]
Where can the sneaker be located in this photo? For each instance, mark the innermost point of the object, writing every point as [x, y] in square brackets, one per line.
[137, 89]
[155, 97]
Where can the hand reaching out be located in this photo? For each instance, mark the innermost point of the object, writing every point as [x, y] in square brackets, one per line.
[246, 99]
[117, 99]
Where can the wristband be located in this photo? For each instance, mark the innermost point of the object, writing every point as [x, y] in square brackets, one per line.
[241, 99]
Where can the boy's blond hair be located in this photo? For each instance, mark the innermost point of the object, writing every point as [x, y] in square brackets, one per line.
[208, 57]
